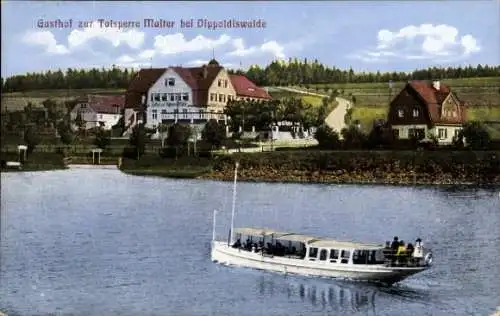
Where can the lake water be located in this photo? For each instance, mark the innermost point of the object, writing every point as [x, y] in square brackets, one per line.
[99, 242]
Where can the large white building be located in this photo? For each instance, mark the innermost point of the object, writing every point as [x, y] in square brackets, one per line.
[177, 94]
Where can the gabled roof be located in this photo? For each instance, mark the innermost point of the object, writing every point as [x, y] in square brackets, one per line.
[145, 78]
[434, 99]
[246, 88]
[106, 104]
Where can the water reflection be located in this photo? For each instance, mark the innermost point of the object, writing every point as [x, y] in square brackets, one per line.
[340, 295]
[326, 294]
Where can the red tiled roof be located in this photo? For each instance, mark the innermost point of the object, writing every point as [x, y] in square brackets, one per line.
[107, 104]
[246, 88]
[434, 99]
[140, 85]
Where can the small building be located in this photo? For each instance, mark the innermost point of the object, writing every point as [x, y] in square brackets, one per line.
[99, 110]
[247, 90]
[425, 108]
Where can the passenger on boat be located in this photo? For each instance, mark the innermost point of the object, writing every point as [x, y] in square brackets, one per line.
[395, 244]
[394, 248]
[401, 253]
[418, 252]
[237, 244]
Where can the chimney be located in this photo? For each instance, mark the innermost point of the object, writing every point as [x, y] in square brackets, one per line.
[436, 84]
[143, 99]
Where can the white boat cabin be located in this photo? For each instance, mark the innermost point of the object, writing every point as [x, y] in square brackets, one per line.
[296, 246]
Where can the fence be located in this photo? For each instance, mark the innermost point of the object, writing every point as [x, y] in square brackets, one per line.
[80, 149]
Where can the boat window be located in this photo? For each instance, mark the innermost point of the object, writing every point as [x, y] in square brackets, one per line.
[322, 254]
[334, 255]
[345, 254]
[313, 253]
[360, 257]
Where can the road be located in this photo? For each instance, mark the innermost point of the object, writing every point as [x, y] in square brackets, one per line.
[336, 118]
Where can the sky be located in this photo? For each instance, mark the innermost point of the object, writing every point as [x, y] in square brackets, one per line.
[364, 35]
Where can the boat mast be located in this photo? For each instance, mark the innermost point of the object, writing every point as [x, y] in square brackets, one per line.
[234, 201]
[213, 227]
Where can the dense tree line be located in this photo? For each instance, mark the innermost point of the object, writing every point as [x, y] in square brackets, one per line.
[276, 73]
[306, 72]
[70, 79]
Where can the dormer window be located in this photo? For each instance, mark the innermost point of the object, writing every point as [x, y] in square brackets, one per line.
[220, 83]
[170, 82]
[415, 113]
[225, 83]
[401, 113]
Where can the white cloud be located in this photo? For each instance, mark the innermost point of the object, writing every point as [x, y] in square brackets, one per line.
[78, 38]
[133, 38]
[426, 41]
[177, 43]
[272, 47]
[47, 40]
[125, 59]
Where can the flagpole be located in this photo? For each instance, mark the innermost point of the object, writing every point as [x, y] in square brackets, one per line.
[234, 202]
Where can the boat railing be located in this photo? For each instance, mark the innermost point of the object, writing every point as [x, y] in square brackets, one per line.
[406, 259]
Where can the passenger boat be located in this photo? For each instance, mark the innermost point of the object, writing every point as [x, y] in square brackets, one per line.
[287, 252]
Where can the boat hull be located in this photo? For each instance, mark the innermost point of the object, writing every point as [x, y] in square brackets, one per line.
[224, 254]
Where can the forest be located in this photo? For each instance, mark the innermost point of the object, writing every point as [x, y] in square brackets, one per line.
[277, 73]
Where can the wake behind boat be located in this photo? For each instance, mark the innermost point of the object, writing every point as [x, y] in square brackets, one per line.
[294, 253]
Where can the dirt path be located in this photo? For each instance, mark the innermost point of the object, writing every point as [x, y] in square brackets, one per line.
[336, 118]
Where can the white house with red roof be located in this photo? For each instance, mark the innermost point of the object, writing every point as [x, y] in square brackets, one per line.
[99, 110]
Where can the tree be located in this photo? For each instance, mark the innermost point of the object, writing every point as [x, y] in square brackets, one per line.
[380, 136]
[163, 129]
[327, 138]
[214, 133]
[475, 135]
[80, 122]
[31, 138]
[353, 137]
[65, 133]
[138, 139]
[102, 138]
[178, 136]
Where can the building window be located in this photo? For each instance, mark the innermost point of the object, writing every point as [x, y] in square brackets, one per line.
[395, 133]
[176, 112]
[157, 97]
[455, 114]
[457, 131]
[415, 113]
[185, 113]
[219, 83]
[171, 82]
[442, 133]
[220, 97]
[225, 83]
[164, 97]
[185, 97]
[155, 114]
[401, 113]
[177, 97]
[163, 111]
[152, 96]
[202, 114]
[213, 97]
